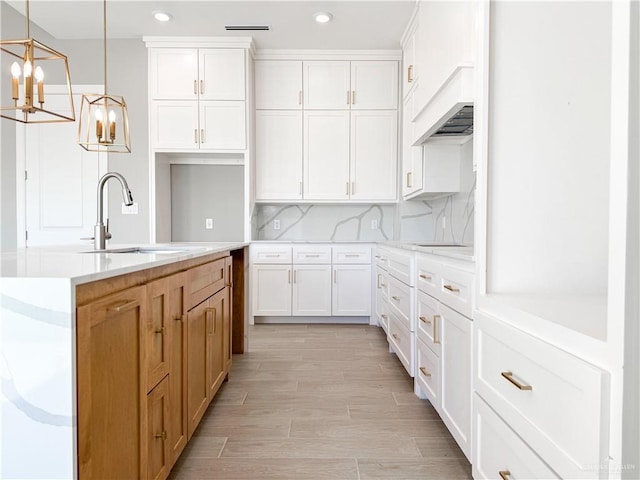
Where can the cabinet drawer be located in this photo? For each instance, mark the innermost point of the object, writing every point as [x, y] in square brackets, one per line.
[498, 449]
[310, 254]
[428, 275]
[382, 310]
[351, 254]
[401, 301]
[205, 280]
[401, 341]
[428, 373]
[401, 265]
[271, 254]
[456, 290]
[382, 257]
[552, 399]
[428, 321]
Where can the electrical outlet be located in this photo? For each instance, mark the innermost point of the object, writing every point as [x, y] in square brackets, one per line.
[130, 210]
[374, 224]
[276, 224]
[208, 223]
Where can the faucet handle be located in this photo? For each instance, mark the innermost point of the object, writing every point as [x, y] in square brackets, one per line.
[107, 235]
[87, 238]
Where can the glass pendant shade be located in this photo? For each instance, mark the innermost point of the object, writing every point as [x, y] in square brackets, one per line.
[104, 124]
[28, 67]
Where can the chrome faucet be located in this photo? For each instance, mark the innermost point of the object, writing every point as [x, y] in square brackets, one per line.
[100, 231]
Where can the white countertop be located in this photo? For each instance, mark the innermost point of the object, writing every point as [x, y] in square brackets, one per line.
[73, 263]
[463, 252]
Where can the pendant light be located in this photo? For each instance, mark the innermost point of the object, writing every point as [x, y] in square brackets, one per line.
[31, 64]
[104, 123]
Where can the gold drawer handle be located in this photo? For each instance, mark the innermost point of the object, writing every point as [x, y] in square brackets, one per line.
[424, 320]
[384, 316]
[451, 288]
[424, 372]
[504, 474]
[425, 277]
[162, 435]
[312, 255]
[122, 306]
[434, 333]
[397, 299]
[162, 331]
[179, 318]
[395, 336]
[509, 376]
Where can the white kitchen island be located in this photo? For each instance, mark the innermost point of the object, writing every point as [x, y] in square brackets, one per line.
[39, 422]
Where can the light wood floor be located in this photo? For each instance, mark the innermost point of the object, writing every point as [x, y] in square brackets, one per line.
[320, 402]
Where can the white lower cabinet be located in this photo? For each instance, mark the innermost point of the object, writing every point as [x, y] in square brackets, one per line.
[271, 293]
[311, 290]
[402, 342]
[428, 373]
[351, 290]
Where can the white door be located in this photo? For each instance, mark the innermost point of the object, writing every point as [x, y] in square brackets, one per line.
[312, 290]
[374, 154]
[455, 337]
[278, 155]
[61, 178]
[271, 293]
[326, 155]
[174, 124]
[222, 125]
[374, 85]
[351, 295]
[173, 73]
[278, 84]
[327, 85]
[221, 74]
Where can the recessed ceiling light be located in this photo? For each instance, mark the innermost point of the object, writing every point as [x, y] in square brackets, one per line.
[323, 17]
[162, 16]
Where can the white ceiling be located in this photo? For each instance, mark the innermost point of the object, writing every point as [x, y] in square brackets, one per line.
[359, 24]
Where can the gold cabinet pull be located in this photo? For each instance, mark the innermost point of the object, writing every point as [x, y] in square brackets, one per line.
[425, 320]
[353, 97]
[410, 74]
[384, 316]
[202, 137]
[294, 276]
[179, 318]
[348, 97]
[161, 331]
[201, 87]
[425, 277]
[451, 288]
[300, 188]
[335, 276]
[379, 280]
[434, 332]
[195, 135]
[353, 188]
[162, 435]
[504, 474]
[123, 306]
[425, 372]
[397, 299]
[347, 188]
[409, 183]
[272, 255]
[513, 381]
[289, 276]
[312, 255]
[300, 97]
[195, 87]
[395, 336]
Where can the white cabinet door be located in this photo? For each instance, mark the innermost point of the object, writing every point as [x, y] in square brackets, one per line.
[326, 155]
[173, 73]
[271, 293]
[374, 154]
[411, 156]
[456, 376]
[278, 155]
[174, 124]
[374, 85]
[351, 290]
[278, 84]
[222, 125]
[409, 55]
[221, 74]
[312, 290]
[327, 85]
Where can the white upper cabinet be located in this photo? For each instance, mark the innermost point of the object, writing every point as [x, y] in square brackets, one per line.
[174, 124]
[374, 85]
[409, 56]
[221, 74]
[374, 141]
[278, 84]
[278, 155]
[412, 177]
[327, 85]
[173, 74]
[222, 125]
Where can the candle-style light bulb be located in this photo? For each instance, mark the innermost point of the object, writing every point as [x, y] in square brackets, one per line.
[39, 74]
[28, 83]
[28, 68]
[112, 125]
[15, 72]
[99, 124]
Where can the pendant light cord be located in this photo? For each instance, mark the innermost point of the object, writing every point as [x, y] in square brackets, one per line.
[26, 19]
[105, 45]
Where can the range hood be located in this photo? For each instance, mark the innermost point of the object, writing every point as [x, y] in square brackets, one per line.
[458, 125]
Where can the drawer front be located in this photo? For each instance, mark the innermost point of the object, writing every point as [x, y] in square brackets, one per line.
[456, 290]
[383, 312]
[351, 254]
[382, 257]
[428, 373]
[428, 279]
[555, 401]
[428, 321]
[401, 264]
[205, 280]
[312, 254]
[271, 253]
[498, 450]
[400, 339]
[401, 301]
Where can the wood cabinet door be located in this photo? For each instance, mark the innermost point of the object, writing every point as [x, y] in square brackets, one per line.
[227, 323]
[112, 395]
[173, 74]
[278, 155]
[271, 292]
[374, 85]
[174, 124]
[327, 85]
[351, 293]
[156, 332]
[216, 310]
[221, 74]
[158, 413]
[278, 84]
[311, 290]
[374, 155]
[197, 371]
[326, 155]
[222, 125]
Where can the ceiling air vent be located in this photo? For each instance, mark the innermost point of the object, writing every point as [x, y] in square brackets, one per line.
[244, 28]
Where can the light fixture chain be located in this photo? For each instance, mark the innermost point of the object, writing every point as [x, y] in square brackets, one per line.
[105, 45]
[26, 19]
